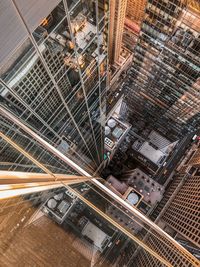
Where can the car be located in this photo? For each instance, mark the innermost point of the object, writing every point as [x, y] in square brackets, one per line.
[116, 95]
[165, 171]
[196, 137]
[110, 101]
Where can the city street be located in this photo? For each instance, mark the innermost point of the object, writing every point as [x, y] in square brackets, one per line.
[115, 92]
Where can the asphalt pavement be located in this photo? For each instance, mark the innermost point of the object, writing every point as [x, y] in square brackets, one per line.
[112, 97]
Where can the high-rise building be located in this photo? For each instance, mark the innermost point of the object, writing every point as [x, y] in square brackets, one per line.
[163, 85]
[135, 10]
[116, 28]
[53, 72]
[182, 215]
[178, 212]
[54, 209]
[57, 214]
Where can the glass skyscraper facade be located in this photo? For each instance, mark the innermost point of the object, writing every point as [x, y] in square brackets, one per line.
[54, 72]
[55, 210]
[163, 86]
[60, 219]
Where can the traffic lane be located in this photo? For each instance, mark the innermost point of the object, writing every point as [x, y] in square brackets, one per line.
[116, 248]
[113, 103]
[115, 94]
[117, 85]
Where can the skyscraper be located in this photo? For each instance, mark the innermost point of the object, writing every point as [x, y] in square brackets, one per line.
[182, 215]
[56, 218]
[55, 210]
[117, 18]
[163, 85]
[178, 212]
[135, 10]
[54, 70]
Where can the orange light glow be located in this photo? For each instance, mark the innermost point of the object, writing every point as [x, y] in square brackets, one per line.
[183, 97]
[44, 22]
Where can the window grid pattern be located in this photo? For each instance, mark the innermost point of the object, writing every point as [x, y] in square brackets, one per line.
[52, 97]
[164, 77]
[183, 215]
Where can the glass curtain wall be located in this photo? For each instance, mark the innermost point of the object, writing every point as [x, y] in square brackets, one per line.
[51, 215]
[20, 152]
[78, 224]
[164, 80]
[54, 71]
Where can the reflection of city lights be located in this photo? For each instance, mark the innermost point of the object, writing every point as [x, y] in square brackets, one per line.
[76, 28]
[183, 97]
[102, 69]
[88, 72]
[78, 23]
[194, 5]
[106, 6]
[71, 45]
[79, 95]
[44, 22]
[81, 61]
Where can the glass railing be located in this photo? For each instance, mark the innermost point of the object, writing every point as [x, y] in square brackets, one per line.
[57, 214]
[78, 223]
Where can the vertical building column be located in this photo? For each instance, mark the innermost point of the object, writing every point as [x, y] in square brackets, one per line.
[117, 18]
